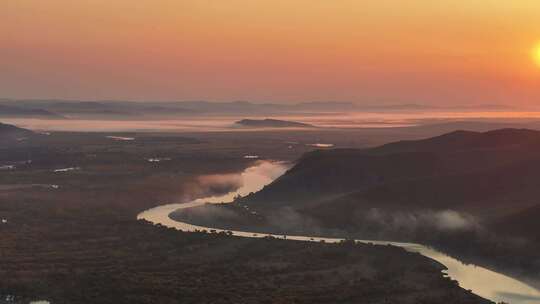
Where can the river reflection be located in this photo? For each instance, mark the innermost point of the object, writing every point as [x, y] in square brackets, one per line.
[483, 282]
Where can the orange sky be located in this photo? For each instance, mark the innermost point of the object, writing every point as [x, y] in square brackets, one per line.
[369, 51]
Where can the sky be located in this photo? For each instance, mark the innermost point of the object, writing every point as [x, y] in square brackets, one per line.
[366, 51]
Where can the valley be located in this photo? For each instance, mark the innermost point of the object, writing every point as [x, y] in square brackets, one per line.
[71, 236]
[70, 202]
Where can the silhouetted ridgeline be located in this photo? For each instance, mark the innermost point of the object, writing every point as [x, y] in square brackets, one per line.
[16, 111]
[473, 194]
[51, 108]
[459, 169]
[272, 123]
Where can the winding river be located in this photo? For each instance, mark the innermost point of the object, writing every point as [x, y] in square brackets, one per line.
[481, 281]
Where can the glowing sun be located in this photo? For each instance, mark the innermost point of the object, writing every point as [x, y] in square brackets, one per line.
[536, 54]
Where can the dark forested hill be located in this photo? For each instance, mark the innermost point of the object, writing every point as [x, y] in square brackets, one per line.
[471, 171]
[524, 223]
[471, 194]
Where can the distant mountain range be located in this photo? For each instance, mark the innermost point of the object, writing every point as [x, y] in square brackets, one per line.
[16, 112]
[127, 109]
[114, 109]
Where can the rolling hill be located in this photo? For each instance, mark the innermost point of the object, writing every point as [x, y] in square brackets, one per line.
[489, 174]
[473, 195]
[271, 123]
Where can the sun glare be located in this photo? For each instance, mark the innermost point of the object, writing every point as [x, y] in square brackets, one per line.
[536, 54]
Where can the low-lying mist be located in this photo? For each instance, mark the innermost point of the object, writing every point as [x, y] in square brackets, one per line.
[224, 188]
[411, 221]
[376, 223]
[218, 184]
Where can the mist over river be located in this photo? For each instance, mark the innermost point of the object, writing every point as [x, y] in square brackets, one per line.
[481, 281]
